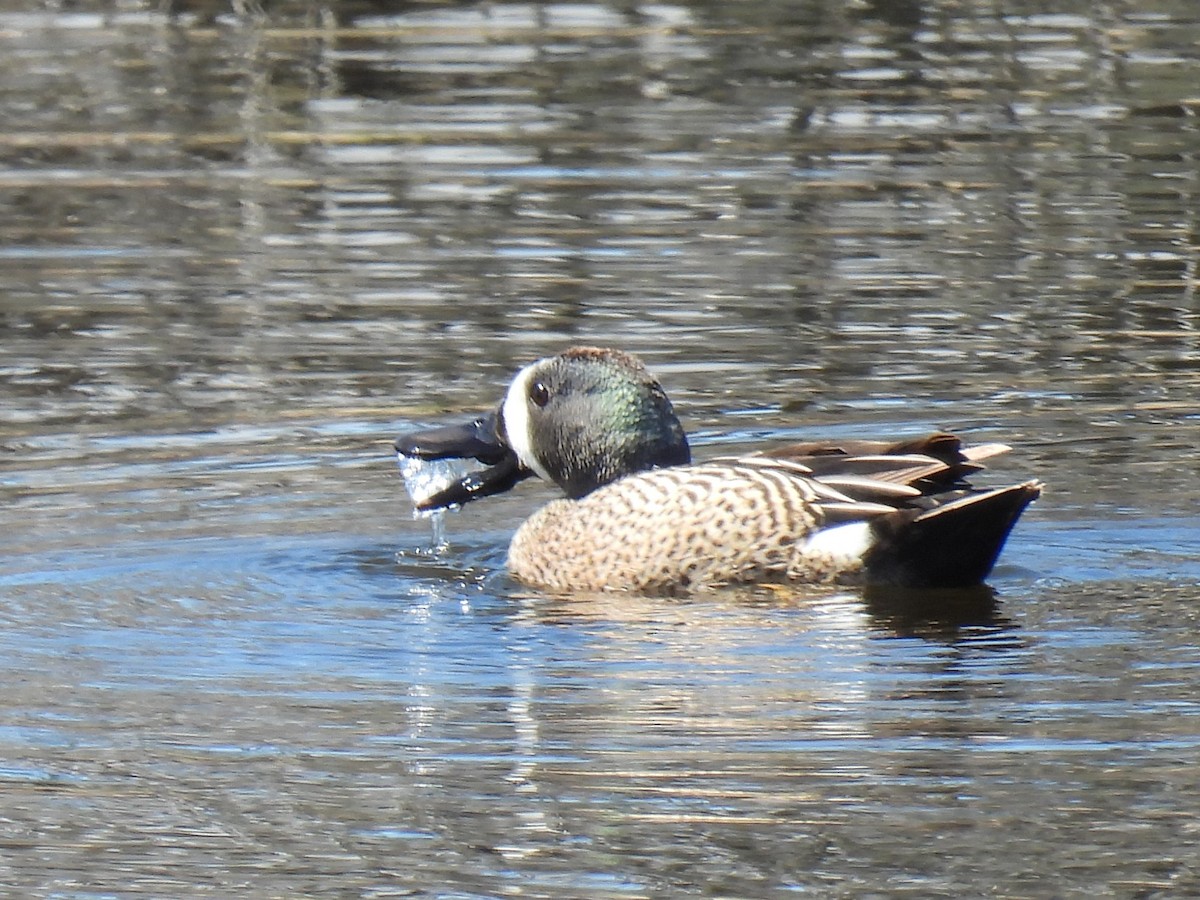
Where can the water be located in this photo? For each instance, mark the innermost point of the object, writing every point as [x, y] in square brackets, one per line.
[241, 251]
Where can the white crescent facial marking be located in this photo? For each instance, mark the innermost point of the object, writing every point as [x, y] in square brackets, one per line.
[515, 412]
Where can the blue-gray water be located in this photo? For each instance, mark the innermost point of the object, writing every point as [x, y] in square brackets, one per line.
[241, 250]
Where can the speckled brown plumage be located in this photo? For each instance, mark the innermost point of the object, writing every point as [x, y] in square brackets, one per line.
[672, 530]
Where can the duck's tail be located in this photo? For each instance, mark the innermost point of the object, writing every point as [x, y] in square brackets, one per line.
[954, 544]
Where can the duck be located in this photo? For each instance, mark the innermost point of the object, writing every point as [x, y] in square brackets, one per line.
[639, 515]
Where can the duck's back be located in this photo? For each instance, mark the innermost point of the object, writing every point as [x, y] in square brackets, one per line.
[677, 529]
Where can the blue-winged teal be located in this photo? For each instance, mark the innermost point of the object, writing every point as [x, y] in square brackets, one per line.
[641, 517]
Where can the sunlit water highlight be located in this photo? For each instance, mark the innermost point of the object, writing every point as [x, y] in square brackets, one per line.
[241, 254]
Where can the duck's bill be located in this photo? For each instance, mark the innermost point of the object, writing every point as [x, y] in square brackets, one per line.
[431, 462]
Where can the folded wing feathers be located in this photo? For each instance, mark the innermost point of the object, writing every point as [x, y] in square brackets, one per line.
[869, 488]
[854, 488]
[984, 451]
[846, 497]
[1034, 487]
[884, 462]
[766, 462]
[838, 512]
[891, 469]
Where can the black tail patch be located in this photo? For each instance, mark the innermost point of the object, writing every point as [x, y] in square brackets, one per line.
[953, 545]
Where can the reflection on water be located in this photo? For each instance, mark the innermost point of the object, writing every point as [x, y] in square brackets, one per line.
[242, 249]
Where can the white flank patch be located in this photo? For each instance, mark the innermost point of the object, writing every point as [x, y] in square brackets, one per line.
[849, 541]
[516, 420]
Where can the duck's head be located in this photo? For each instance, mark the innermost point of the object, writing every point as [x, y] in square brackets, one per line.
[581, 419]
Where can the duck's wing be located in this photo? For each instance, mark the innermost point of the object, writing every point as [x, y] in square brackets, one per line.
[940, 445]
[905, 507]
[932, 464]
[917, 473]
[857, 492]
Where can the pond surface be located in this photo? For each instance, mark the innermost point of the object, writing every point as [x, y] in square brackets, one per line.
[241, 251]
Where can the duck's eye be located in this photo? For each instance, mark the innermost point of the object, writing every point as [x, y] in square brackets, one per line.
[539, 394]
